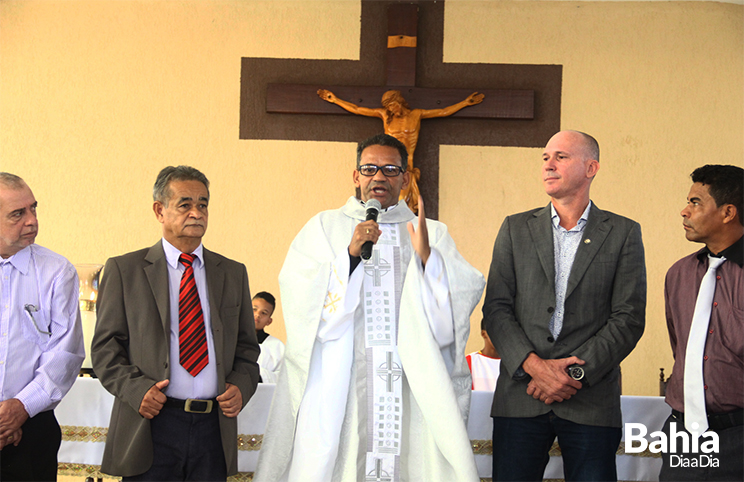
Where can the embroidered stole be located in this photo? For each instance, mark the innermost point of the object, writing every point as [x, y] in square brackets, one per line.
[381, 290]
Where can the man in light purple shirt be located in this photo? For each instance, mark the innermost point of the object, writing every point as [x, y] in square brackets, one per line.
[41, 338]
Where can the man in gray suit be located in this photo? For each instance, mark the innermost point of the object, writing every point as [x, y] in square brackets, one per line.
[176, 345]
[565, 304]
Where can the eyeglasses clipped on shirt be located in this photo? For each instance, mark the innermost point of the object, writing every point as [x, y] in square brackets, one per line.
[31, 309]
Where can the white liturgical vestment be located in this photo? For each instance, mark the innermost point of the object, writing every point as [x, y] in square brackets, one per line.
[270, 359]
[375, 385]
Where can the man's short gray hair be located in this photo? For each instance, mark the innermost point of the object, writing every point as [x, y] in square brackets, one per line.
[161, 189]
[591, 146]
[11, 181]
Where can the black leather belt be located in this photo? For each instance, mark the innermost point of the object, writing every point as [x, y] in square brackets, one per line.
[191, 405]
[718, 421]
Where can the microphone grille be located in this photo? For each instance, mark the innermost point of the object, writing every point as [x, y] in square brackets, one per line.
[373, 204]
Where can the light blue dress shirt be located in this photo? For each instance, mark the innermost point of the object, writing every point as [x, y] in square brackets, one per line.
[565, 245]
[182, 385]
[39, 295]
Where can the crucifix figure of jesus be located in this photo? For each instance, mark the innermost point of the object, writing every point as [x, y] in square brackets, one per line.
[403, 123]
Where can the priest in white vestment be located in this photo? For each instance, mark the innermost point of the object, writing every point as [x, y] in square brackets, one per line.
[375, 386]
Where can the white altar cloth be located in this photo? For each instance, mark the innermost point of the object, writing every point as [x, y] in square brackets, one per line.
[84, 416]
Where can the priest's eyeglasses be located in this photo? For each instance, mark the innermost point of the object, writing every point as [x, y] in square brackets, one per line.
[389, 170]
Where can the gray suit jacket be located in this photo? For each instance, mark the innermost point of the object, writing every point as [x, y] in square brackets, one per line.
[604, 311]
[130, 349]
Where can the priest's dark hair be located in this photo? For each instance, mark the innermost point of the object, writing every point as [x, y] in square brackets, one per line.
[725, 184]
[267, 297]
[387, 141]
[161, 189]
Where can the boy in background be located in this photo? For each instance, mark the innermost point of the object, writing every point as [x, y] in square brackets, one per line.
[272, 348]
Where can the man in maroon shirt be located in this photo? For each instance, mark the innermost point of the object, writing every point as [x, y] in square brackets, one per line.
[714, 215]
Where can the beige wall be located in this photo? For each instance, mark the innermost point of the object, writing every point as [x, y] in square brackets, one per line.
[97, 96]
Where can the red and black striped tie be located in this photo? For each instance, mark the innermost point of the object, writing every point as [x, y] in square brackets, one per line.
[192, 337]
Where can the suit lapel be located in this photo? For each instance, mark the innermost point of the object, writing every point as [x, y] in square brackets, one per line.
[157, 276]
[542, 237]
[215, 283]
[596, 231]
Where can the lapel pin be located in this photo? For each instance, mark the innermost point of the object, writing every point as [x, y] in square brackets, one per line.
[587, 241]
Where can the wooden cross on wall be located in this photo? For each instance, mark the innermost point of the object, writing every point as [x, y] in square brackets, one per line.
[278, 99]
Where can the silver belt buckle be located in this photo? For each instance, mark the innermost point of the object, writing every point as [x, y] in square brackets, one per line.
[188, 406]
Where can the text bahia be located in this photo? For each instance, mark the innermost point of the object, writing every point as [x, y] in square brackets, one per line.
[693, 446]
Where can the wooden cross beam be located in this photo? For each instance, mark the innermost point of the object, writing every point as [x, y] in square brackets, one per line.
[521, 108]
[303, 99]
[400, 67]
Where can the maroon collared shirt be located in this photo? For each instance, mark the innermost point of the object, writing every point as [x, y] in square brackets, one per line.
[723, 361]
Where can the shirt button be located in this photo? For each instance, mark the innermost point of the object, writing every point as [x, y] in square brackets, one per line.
[705, 357]
[710, 332]
[705, 387]
[715, 303]
[717, 277]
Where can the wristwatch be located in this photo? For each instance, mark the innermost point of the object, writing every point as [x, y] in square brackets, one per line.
[576, 372]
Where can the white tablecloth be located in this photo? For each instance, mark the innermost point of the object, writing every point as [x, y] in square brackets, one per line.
[84, 416]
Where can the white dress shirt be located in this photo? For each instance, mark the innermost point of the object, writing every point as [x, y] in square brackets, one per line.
[182, 385]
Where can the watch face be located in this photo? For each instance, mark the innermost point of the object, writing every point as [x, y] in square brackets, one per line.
[577, 373]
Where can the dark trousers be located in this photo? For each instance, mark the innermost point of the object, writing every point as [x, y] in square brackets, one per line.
[521, 445]
[35, 458]
[186, 446]
[729, 463]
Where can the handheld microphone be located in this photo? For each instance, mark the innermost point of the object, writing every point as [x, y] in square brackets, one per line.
[373, 209]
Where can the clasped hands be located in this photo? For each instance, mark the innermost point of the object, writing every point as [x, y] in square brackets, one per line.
[12, 416]
[550, 380]
[231, 401]
[370, 231]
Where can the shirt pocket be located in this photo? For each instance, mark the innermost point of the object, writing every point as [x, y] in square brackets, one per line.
[34, 323]
[734, 339]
